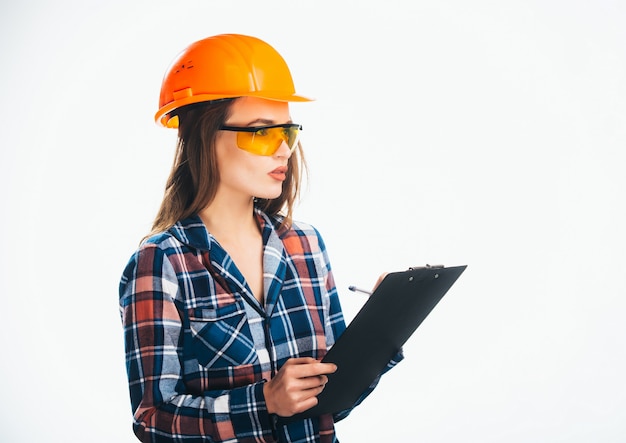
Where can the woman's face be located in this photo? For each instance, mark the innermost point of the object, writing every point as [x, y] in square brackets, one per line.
[243, 173]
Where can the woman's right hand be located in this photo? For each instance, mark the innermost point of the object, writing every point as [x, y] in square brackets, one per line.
[296, 386]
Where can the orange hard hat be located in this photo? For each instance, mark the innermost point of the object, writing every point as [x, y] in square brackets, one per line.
[224, 66]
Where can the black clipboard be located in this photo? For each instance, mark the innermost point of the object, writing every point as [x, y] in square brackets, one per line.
[390, 316]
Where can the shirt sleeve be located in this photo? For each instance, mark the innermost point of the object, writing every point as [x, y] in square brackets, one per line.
[163, 410]
[335, 322]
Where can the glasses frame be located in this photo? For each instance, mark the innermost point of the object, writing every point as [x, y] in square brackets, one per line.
[259, 128]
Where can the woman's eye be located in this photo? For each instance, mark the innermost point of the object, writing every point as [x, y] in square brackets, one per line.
[261, 132]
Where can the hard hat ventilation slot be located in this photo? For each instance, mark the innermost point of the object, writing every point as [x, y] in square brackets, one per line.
[186, 65]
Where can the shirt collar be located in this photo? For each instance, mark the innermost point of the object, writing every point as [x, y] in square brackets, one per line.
[192, 231]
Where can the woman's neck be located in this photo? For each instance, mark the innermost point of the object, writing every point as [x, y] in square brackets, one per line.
[233, 224]
[228, 219]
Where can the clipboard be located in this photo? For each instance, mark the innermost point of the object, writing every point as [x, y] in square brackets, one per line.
[390, 316]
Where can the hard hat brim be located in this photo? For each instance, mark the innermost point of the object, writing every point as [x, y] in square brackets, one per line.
[162, 116]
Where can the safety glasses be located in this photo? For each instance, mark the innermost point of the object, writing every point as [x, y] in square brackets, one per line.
[265, 140]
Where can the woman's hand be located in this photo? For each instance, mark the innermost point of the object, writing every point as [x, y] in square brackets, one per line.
[296, 386]
[379, 281]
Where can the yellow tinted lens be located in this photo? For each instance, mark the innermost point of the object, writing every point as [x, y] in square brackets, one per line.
[267, 141]
[292, 134]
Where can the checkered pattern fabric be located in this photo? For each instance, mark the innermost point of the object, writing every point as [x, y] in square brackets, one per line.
[199, 346]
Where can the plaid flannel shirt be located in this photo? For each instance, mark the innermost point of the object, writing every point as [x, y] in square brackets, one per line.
[199, 346]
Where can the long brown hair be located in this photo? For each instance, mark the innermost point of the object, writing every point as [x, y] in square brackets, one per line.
[194, 177]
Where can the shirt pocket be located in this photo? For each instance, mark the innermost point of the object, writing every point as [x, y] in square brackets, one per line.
[221, 337]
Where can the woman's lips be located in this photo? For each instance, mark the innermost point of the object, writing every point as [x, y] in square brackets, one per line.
[279, 173]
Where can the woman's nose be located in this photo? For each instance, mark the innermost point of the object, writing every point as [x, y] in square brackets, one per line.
[283, 150]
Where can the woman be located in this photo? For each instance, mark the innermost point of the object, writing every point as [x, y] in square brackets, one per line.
[229, 305]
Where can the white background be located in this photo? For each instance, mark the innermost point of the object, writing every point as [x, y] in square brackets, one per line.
[486, 133]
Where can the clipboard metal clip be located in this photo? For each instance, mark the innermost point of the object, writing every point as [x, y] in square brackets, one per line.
[427, 266]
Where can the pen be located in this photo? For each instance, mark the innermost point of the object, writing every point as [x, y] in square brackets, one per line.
[355, 289]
